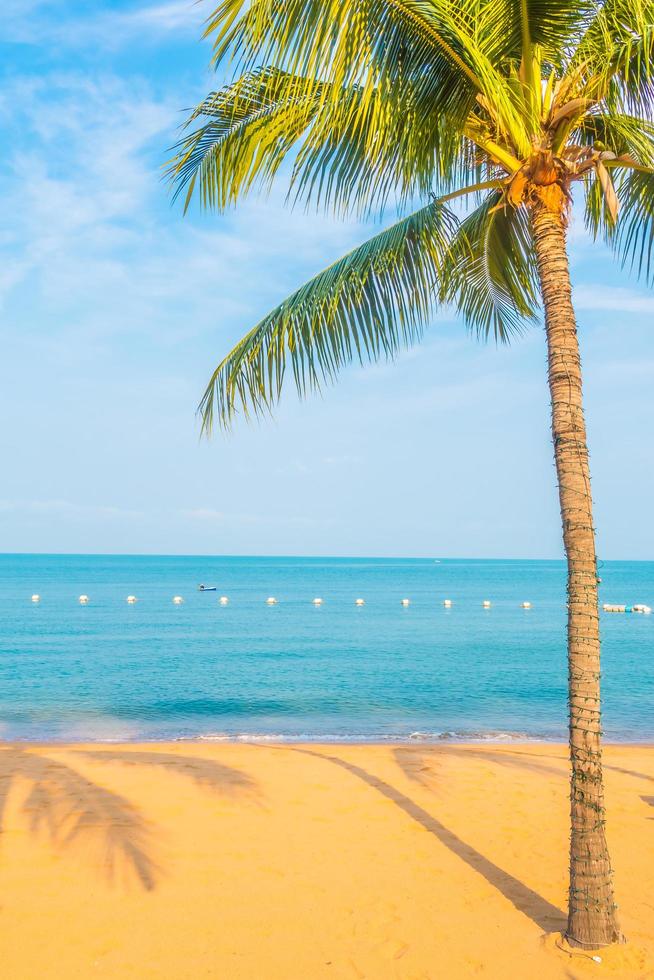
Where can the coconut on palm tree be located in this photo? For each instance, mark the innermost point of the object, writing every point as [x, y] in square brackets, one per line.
[501, 106]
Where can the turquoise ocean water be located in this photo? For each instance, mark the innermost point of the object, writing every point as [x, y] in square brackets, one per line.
[109, 670]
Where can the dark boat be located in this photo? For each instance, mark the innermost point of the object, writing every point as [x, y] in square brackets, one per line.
[207, 588]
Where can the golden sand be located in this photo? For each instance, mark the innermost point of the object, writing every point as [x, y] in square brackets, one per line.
[194, 860]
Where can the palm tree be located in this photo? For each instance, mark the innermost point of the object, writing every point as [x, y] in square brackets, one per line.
[505, 104]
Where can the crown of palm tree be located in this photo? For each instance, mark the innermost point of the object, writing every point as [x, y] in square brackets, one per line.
[380, 102]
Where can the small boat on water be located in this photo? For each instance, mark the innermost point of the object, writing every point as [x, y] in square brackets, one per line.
[207, 588]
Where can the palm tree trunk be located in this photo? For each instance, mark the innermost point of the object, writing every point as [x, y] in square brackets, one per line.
[592, 920]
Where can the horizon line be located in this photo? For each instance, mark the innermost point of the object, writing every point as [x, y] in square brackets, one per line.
[315, 557]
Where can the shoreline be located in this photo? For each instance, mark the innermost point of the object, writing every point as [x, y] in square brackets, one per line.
[507, 740]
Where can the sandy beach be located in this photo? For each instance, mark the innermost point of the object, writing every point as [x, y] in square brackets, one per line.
[191, 860]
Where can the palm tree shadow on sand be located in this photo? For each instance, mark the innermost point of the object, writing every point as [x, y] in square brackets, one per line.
[545, 915]
[417, 763]
[72, 809]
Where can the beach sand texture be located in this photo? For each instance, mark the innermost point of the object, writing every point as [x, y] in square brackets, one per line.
[192, 860]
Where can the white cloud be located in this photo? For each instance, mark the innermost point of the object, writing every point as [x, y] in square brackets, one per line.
[21, 19]
[612, 298]
[68, 509]
[80, 210]
[166, 16]
[210, 515]
[145, 24]
[50, 21]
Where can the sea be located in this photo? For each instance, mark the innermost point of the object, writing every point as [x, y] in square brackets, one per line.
[150, 670]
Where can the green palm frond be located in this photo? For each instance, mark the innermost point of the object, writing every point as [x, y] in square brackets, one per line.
[372, 302]
[340, 38]
[248, 130]
[361, 159]
[614, 58]
[619, 132]
[367, 102]
[489, 272]
[371, 42]
[634, 237]
[631, 233]
[507, 26]
[433, 47]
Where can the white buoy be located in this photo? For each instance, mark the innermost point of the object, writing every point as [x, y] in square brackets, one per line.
[359, 602]
[178, 600]
[36, 597]
[447, 603]
[486, 604]
[223, 600]
[317, 601]
[271, 600]
[83, 599]
[406, 602]
[526, 605]
[131, 599]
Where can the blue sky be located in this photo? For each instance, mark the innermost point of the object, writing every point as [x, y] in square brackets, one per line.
[115, 308]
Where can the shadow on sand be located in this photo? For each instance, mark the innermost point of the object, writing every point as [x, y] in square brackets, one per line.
[70, 808]
[417, 763]
[546, 916]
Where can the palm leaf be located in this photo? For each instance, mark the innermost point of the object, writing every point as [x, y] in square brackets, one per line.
[489, 273]
[634, 237]
[428, 53]
[631, 236]
[619, 132]
[249, 129]
[369, 99]
[548, 24]
[369, 304]
[613, 60]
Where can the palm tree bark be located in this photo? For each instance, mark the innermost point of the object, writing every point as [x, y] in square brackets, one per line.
[592, 920]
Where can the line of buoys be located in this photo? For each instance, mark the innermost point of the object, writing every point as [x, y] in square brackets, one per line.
[639, 607]
[272, 601]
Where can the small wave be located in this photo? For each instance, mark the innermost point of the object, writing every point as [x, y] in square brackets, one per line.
[240, 737]
[472, 736]
[368, 737]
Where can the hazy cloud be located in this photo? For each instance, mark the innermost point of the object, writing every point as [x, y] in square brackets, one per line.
[612, 298]
[68, 509]
[55, 21]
